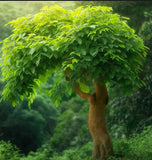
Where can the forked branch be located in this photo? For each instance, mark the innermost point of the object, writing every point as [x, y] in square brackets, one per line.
[76, 88]
[86, 96]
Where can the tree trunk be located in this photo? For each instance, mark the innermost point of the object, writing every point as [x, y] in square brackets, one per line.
[96, 120]
[98, 129]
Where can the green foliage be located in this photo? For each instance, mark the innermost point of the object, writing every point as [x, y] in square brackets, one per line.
[84, 153]
[131, 113]
[88, 40]
[21, 8]
[27, 134]
[128, 114]
[138, 148]
[132, 9]
[8, 151]
[71, 129]
[142, 145]
[35, 156]
[28, 128]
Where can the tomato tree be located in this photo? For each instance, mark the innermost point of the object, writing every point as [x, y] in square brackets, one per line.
[89, 48]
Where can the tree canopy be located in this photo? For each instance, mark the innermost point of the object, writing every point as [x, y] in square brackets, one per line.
[133, 9]
[83, 44]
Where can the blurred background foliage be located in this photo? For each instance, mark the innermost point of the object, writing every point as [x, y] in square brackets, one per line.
[133, 9]
[62, 133]
[28, 128]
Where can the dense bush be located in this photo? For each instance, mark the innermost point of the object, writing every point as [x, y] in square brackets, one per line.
[138, 147]
[8, 151]
[83, 152]
[35, 156]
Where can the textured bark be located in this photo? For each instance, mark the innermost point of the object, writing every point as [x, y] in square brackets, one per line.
[96, 120]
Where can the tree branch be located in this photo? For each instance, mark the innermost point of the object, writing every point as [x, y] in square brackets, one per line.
[86, 96]
[76, 88]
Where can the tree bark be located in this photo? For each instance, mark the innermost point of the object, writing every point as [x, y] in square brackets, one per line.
[96, 120]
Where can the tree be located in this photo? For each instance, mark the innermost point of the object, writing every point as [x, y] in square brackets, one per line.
[87, 48]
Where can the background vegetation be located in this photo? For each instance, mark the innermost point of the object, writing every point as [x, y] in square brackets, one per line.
[45, 132]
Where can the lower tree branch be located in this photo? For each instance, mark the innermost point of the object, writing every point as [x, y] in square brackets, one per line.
[86, 96]
[76, 88]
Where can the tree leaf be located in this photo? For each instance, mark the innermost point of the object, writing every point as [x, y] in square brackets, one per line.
[45, 49]
[79, 40]
[93, 51]
[32, 50]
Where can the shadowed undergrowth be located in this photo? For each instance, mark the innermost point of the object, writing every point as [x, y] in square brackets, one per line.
[138, 147]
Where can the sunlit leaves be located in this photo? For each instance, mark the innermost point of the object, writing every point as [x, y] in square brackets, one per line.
[87, 41]
[84, 87]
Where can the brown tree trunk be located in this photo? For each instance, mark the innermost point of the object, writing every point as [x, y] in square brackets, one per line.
[96, 120]
[97, 124]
